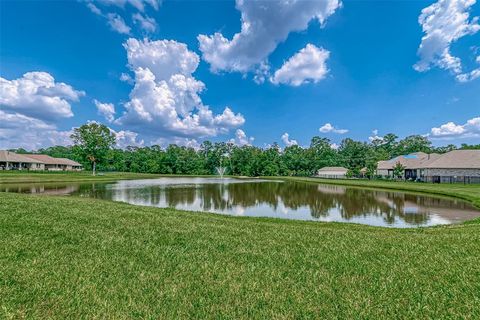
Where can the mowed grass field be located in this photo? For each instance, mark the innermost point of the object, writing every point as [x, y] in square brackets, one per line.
[67, 257]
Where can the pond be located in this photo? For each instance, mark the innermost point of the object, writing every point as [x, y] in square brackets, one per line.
[268, 198]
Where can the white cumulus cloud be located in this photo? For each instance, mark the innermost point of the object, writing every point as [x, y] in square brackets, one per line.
[165, 99]
[241, 138]
[307, 65]
[451, 130]
[105, 109]
[264, 24]
[287, 141]
[21, 131]
[443, 23]
[329, 128]
[36, 94]
[375, 136]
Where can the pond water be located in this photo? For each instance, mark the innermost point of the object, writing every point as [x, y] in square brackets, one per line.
[265, 198]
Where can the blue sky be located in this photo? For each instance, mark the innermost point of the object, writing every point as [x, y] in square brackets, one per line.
[324, 68]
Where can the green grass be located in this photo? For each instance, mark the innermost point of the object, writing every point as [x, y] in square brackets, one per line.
[66, 257]
[65, 176]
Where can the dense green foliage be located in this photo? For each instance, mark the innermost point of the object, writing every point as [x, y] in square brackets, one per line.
[92, 142]
[254, 161]
[67, 257]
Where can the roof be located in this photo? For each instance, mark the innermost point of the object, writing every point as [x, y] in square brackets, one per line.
[457, 159]
[51, 160]
[43, 158]
[69, 162]
[410, 161]
[333, 169]
[8, 156]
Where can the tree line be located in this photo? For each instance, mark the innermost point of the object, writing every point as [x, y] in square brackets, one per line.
[94, 148]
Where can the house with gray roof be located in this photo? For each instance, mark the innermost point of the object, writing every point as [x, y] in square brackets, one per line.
[411, 162]
[458, 166]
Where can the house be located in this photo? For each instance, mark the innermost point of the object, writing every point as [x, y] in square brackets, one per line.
[13, 161]
[57, 164]
[458, 166]
[411, 162]
[332, 172]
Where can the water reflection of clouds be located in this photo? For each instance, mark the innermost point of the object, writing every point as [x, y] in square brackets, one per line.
[291, 201]
[266, 198]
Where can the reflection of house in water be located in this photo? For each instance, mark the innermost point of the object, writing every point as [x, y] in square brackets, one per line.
[330, 189]
[47, 189]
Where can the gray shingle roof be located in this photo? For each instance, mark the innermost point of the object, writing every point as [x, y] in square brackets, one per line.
[457, 159]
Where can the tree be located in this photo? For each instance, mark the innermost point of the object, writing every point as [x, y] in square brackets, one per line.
[398, 170]
[92, 142]
[415, 143]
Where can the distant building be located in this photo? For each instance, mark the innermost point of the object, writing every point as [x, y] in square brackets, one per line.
[332, 172]
[56, 164]
[14, 161]
[458, 166]
[412, 163]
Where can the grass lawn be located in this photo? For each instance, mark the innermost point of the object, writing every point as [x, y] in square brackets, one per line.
[65, 176]
[67, 257]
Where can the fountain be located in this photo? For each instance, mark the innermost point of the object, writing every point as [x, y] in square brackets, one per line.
[221, 171]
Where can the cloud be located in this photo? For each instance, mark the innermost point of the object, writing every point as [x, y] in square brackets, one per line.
[21, 131]
[286, 140]
[137, 4]
[126, 138]
[36, 94]
[94, 9]
[443, 23]
[186, 142]
[328, 128]
[307, 65]
[146, 23]
[117, 23]
[241, 138]
[105, 109]
[451, 130]
[375, 136]
[264, 24]
[165, 99]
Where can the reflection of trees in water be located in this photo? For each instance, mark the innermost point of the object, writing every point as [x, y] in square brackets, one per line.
[319, 199]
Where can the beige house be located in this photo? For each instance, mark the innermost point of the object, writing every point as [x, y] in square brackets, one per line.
[13, 161]
[56, 164]
[332, 172]
[412, 163]
[458, 166]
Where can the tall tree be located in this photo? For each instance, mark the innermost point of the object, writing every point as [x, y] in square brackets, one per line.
[93, 141]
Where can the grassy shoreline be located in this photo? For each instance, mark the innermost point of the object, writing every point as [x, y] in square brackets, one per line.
[69, 257]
